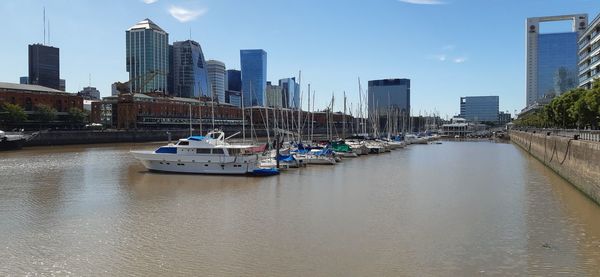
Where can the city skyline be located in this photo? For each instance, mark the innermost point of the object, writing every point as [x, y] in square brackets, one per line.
[329, 47]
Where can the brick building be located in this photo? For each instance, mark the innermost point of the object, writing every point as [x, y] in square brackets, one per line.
[29, 96]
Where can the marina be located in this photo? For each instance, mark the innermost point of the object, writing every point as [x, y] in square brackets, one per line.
[486, 210]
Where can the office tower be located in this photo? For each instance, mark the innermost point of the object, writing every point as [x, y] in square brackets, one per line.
[274, 95]
[44, 66]
[589, 54]
[480, 108]
[389, 94]
[147, 57]
[290, 93]
[254, 76]
[552, 58]
[24, 80]
[234, 80]
[89, 93]
[216, 76]
[190, 74]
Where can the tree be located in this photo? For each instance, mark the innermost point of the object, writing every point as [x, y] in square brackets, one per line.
[77, 115]
[45, 113]
[10, 113]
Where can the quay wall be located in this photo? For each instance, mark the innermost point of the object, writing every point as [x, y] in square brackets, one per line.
[49, 138]
[577, 161]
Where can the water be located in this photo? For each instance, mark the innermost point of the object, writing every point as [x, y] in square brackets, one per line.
[460, 208]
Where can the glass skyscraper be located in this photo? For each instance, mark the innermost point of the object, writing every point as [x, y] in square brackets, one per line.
[480, 108]
[389, 94]
[44, 66]
[216, 76]
[234, 80]
[552, 58]
[147, 57]
[190, 74]
[290, 93]
[254, 76]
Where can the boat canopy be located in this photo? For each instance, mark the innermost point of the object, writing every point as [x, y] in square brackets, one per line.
[196, 138]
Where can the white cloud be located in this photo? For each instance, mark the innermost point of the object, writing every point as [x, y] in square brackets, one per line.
[185, 15]
[441, 57]
[149, 1]
[422, 2]
[459, 60]
[448, 47]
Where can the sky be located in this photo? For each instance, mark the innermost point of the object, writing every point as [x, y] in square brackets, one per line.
[448, 48]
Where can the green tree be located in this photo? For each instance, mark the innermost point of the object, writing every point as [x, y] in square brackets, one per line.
[10, 113]
[77, 115]
[45, 113]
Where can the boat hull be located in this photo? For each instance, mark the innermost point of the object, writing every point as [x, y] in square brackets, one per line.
[12, 144]
[178, 164]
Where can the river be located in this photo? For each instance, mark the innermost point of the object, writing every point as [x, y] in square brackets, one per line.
[455, 209]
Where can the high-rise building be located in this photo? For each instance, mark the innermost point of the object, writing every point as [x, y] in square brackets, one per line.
[114, 91]
[274, 96]
[254, 76]
[216, 76]
[589, 54]
[44, 66]
[89, 93]
[552, 58]
[24, 80]
[389, 94]
[234, 98]
[480, 108]
[62, 85]
[290, 93]
[170, 77]
[234, 80]
[190, 74]
[147, 57]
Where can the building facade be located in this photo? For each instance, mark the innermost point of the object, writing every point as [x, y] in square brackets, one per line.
[290, 93]
[89, 93]
[30, 96]
[234, 80]
[190, 73]
[552, 58]
[217, 77]
[274, 96]
[233, 98]
[44, 66]
[254, 76]
[589, 54]
[389, 94]
[480, 108]
[147, 57]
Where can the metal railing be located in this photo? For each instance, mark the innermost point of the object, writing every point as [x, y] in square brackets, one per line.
[588, 135]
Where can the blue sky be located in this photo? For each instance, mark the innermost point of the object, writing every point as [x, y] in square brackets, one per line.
[448, 48]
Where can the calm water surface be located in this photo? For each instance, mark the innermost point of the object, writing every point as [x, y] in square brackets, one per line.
[460, 208]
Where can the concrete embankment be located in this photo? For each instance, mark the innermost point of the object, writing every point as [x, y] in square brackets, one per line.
[47, 138]
[91, 137]
[578, 161]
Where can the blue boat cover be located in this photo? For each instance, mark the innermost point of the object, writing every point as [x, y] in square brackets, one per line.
[166, 150]
[196, 138]
[285, 158]
[265, 172]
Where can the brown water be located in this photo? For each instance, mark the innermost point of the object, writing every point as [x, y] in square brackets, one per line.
[456, 209]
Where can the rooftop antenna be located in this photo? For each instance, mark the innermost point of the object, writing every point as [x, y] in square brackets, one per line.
[48, 31]
[44, 21]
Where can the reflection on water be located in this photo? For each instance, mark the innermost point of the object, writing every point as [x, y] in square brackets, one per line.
[460, 208]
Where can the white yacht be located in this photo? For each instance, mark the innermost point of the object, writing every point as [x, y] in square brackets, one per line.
[10, 141]
[209, 154]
